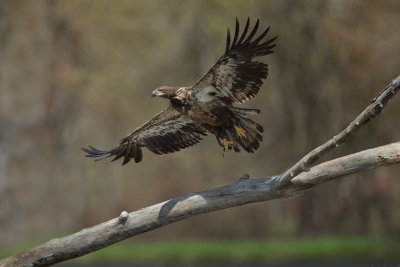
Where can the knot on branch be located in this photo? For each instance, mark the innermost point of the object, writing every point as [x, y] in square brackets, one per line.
[244, 177]
[123, 217]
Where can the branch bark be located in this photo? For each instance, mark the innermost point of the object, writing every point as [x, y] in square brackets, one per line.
[295, 180]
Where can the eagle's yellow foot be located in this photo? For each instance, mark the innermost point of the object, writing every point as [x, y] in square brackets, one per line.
[226, 144]
[240, 131]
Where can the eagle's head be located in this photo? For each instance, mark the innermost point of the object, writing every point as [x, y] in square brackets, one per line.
[165, 91]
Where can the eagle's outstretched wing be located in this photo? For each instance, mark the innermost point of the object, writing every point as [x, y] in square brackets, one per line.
[236, 77]
[167, 132]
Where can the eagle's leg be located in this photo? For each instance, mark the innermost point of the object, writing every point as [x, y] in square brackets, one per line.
[226, 145]
[224, 137]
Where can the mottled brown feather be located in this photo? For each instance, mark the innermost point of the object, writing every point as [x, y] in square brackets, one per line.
[235, 75]
[167, 132]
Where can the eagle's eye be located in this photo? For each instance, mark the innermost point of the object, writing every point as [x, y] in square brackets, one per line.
[212, 93]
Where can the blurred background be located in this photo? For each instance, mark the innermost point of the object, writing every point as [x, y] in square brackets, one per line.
[79, 72]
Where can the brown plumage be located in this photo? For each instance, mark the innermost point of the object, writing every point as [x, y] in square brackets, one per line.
[206, 107]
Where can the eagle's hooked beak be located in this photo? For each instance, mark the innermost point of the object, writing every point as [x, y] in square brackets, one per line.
[156, 93]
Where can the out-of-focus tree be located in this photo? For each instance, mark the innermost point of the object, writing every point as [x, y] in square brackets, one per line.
[39, 106]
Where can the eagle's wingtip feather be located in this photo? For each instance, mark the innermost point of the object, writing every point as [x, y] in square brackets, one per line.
[92, 152]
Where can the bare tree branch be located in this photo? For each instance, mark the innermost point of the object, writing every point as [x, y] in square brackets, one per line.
[373, 110]
[291, 183]
[239, 193]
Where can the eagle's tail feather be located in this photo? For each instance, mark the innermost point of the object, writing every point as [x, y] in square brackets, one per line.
[244, 133]
[249, 136]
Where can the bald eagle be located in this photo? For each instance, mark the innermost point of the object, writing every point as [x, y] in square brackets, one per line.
[207, 107]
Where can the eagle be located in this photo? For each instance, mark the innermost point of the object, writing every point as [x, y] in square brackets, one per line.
[206, 107]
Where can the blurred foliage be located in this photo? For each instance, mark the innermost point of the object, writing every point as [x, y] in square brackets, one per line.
[321, 249]
[74, 72]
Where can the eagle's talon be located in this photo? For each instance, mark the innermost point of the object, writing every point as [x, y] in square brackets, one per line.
[240, 131]
[227, 145]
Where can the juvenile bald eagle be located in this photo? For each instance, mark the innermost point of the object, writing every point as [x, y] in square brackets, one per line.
[207, 107]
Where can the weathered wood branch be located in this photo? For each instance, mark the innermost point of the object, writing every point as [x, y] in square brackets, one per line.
[297, 179]
[373, 110]
[242, 192]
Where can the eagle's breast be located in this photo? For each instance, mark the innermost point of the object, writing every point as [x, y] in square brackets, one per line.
[202, 112]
